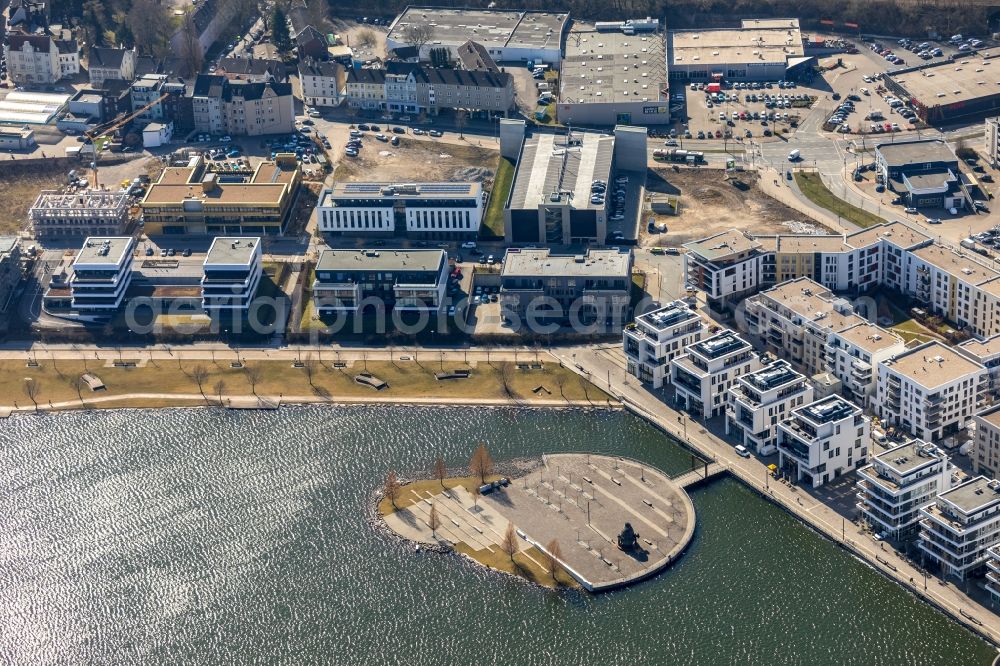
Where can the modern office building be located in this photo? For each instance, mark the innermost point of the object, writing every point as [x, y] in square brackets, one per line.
[197, 200]
[758, 401]
[986, 449]
[614, 77]
[506, 35]
[930, 391]
[550, 201]
[232, 274]
[758, 50]
[655, 338]
[925, 173]
[822, 441]
[89, 213]
[962, 524]
[900, 482]
[357, 281]
[102, 271]
[590, 289]
[703, 375]
[852, 355]
[442, 211]
[796, 319]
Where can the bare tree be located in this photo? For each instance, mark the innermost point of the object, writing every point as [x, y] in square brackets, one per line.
[460, 119]
[506, 377]
[553, 558]
[439, 470]
[366, 38]
[151, 24]
[509, 542]
[253, 376]
[31, 389]
[219, 387]
[481, 464]
[200, 375]
[560, 380]
[433, 520]
[309, 365]
[391, 488]
[417, 35]
[190, 54]
[77, 383]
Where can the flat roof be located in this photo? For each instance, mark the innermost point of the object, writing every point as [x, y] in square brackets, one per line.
[898, 233]
[829, 409]
[229, 250]
[671, 314]
[932, 365]
[813, 302]
[392, 191]
[606, 67]
[808, 243]
[902, 153]
[960, 266]
[991, 416]
[491, 28]
[982, 348]
[772, 376]
[723, 244]
[380, 260]
[910, 456]
[949, 82]
[7, 244]
[870, 337]
[772, 40]
[973, 495]
[540, 263]
[552, 163]
[268, 184]
[34, 108]
[923, 180]
[104, 250]
[720, 344]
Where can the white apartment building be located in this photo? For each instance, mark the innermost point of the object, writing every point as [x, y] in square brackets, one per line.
[324, 83]
[962, 524]
[657, 337]
[899, 483]
[441, 211]
[41, 59]
[703, 375]
[762, 399]
[795, 320]
[986, 352]
[991, 141]
[726, 266]
[232, 274]
[821, 441]
[853, 354]
[993, 572]
[930, 391]
[102, 271]
[986, 450]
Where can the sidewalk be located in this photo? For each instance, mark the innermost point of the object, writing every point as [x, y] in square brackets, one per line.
[605, 367]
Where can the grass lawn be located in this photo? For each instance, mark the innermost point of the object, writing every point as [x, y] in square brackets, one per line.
[912, 330]
[406, 380]
[504, 180]
[814, 189]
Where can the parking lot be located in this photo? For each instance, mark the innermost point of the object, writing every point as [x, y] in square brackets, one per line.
[744, 109]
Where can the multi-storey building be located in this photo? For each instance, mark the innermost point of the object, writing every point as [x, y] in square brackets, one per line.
[110, 64]
[796, 319]
[414, 88]
[253, 109]
[446, 211]
[993, 569]
[962, 524]
[821, 441]
[324, 83]
[102, 271]
[703, 375]
[986, 450]
[923, 172]
[657, 337]
[40, 59]
[194, 200]
[727, 267]
[758, 401]
[232, 274]
[206, 103]
[986, 352]
[930, 391]
[899, 483]
[590, 289]
[90, 213]
[853, 354]
[251, 70]
[356, 281]
[992, 141]
[10, 268]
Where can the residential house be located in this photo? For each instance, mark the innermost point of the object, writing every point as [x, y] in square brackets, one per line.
[821, 441]
[656, 338]
[703, 375]
[108, 63]
[324, 83]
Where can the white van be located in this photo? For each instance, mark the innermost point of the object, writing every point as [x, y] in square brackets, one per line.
[794, 156]
[742, 451]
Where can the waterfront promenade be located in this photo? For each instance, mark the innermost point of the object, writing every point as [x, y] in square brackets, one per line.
[605, 366]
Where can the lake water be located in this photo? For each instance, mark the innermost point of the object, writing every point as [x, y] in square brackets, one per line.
[208, 536]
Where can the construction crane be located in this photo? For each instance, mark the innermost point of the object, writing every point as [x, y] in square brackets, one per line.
[94, 135]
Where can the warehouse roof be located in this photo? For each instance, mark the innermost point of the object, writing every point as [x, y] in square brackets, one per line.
[949, 82]
[774, 40]
[612, 67]
[492, 29]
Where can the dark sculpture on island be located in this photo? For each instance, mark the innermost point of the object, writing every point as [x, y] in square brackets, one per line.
[628, 540]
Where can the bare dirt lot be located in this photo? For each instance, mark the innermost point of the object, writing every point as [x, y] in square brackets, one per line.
[710, 204]
[18, 190]
[417, 160]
